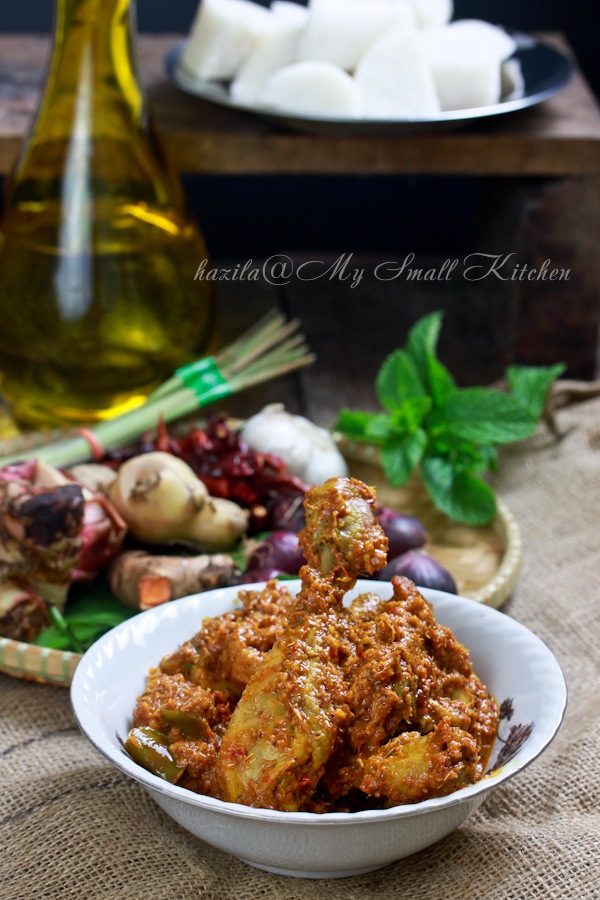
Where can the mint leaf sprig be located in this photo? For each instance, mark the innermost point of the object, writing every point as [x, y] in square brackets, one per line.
[448, 434]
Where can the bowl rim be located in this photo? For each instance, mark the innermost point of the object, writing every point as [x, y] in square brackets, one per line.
[88, 725]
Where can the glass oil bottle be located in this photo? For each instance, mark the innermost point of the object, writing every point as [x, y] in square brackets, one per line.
[98, 302]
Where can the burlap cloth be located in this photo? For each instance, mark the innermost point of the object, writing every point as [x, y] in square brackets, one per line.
[73, 827]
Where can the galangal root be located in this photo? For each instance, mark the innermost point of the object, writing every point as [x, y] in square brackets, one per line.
[141, 581]
[52, 532]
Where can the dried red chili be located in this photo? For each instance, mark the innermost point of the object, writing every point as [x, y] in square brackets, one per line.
[229, 468]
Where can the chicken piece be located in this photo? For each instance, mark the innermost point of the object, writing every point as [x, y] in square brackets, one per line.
[228, 649]
[413, 767]
[383, 678]
[171, 702]
[342, 538]
[197, 758]
[448, 687]
[407, 623]
[473, 709]
[381, 697]
[408, 676]
[177, 730]
[285, 727]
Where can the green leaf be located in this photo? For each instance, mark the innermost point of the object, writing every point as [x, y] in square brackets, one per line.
[485, 416]
[465, 455]
[489, 459]
[412, 413]
[398, 381]
[64, 628]
[530, 385]
[450, 432]
[401, 457]
[353, 424]
[91, 611]
[55, 639]
[441, 383]
[382, 428]
[422, 341]
[459, 494]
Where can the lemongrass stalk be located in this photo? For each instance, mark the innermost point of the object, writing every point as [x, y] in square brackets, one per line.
[120, 431]
[267, 333]
[268, 350]
[269, 342]
[266, 368]
[253, 338]
[283, 369]
[294, 344]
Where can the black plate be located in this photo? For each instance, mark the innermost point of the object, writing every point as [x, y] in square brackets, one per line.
[545, 72]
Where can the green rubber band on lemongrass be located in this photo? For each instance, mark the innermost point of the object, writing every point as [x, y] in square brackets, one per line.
[205, 380]
[271, 348]
[183, 375]
[207, 364]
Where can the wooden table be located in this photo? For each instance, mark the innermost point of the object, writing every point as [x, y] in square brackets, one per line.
[540, 199]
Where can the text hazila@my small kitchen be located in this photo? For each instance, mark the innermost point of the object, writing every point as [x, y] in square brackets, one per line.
[282, 269]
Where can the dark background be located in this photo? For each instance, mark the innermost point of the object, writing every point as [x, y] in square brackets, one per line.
[358, 214]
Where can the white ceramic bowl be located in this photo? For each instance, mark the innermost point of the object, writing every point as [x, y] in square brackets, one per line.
[513, 663]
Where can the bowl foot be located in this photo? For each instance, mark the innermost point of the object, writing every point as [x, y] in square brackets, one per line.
[300, 873]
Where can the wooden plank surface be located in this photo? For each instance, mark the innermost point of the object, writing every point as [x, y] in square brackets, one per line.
[560, 137]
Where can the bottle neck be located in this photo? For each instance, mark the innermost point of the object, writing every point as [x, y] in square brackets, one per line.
[93, 77]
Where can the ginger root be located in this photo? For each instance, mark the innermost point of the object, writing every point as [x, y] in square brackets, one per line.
[140, 580]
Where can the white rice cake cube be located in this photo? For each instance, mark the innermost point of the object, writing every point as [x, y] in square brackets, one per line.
[467, 36]
[313, 88]
[222, 36]
[395, 79]
[276, 50]
[465, 58]
[467, 82]
[513, 80]
[432, 13]
[340, 31]
[295, 13]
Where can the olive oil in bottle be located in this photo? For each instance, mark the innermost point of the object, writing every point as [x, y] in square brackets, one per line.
[98, 302]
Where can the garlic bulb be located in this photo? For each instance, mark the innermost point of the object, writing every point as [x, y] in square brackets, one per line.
[308, 450]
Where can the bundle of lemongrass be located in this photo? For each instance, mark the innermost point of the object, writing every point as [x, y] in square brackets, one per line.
[273, 347]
